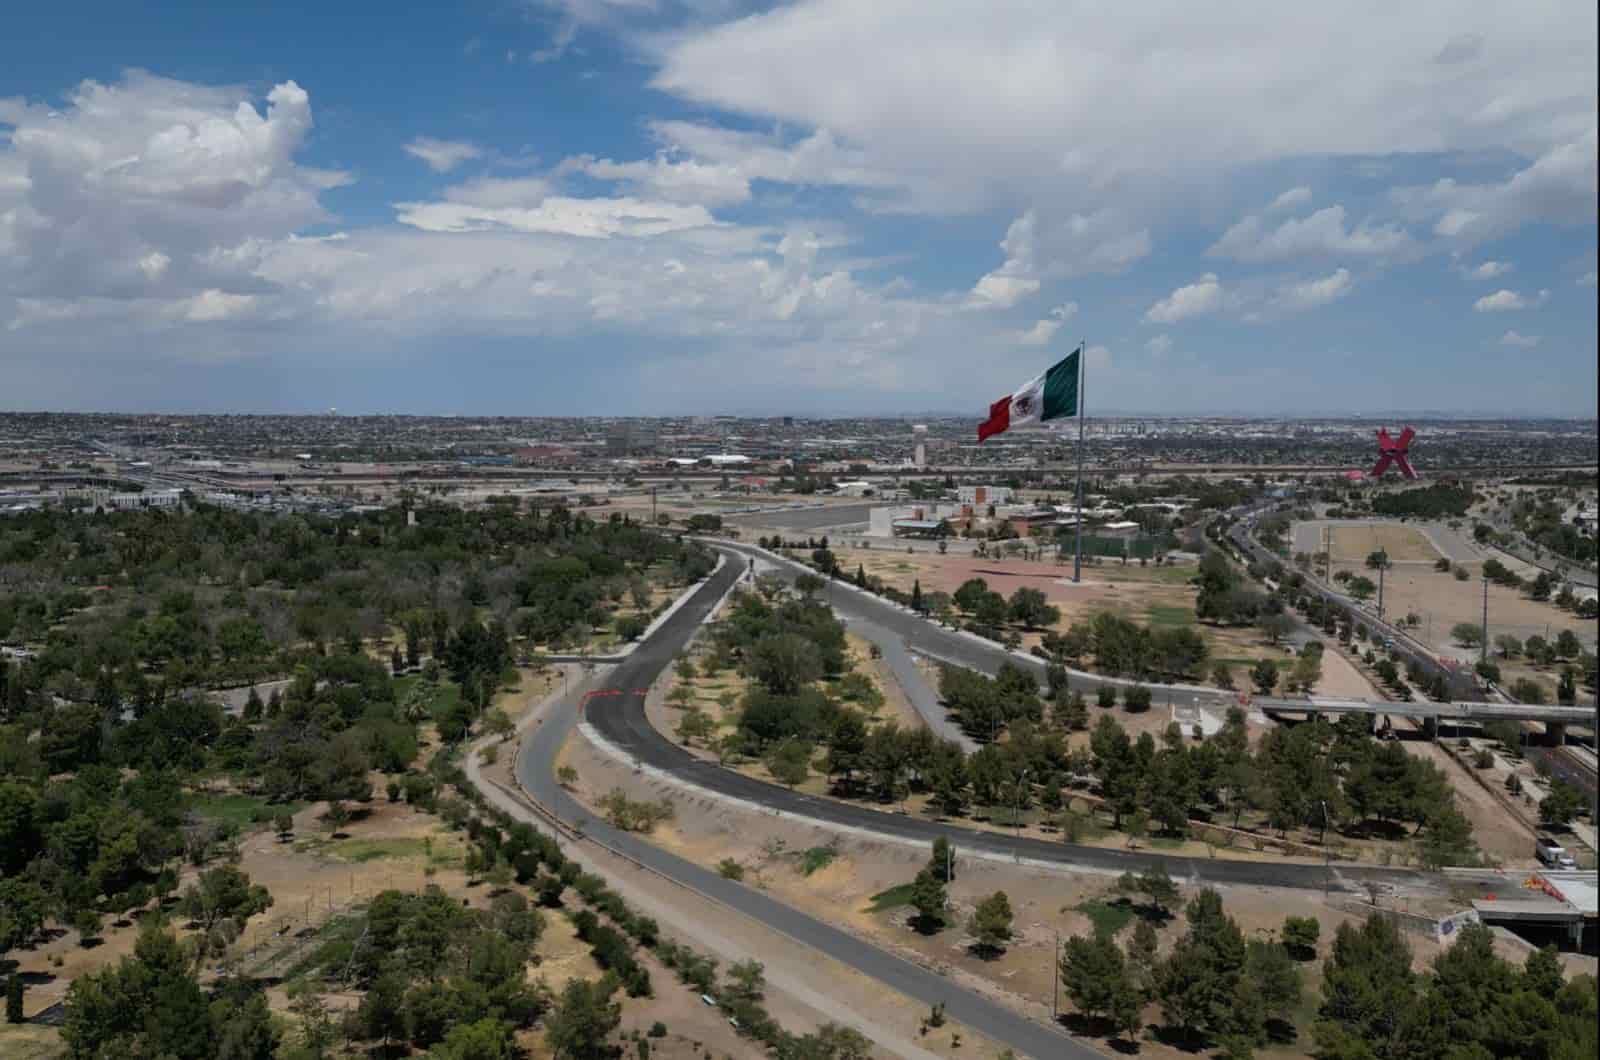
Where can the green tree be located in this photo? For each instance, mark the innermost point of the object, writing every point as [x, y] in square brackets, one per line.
[790, 762]
[1561, 805]
[1300, 935]
[148, 1004]
[784, 662]
[1265, 676]
[498, 723]
[941, 862]
[1094, 974]
[746, 981]
[990, 924]
[1154, 883]
[1369, 993]
[1202, 986]
[14, 992]
[244, 1030]
[382, 1012]
[928, 899]
[1032, 609]
[583, 1019]
[220, 904]
[484, 1039]
[1274, 978]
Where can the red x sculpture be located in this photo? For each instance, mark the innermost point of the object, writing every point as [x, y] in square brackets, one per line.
[1393, 451]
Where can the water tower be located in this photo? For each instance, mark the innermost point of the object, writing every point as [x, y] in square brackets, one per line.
[919, 435]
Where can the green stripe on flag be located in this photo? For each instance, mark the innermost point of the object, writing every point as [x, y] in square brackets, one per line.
[1061, 389]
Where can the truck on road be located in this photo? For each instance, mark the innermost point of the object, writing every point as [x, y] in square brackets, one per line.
[1552, 854]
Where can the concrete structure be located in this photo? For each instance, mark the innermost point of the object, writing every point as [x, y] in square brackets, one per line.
[1565, 901]
[1556, 718]
[983, 494]
[919, 455]
[901, 519]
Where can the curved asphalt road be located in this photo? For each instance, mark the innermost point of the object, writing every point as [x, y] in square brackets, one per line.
[630, 679]
[620, 718]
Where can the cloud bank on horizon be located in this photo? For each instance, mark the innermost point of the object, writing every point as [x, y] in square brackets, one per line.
[823, 206]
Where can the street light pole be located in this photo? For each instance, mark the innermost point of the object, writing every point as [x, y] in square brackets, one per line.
[1055, 980]
[1483, 645]
[1327, 860]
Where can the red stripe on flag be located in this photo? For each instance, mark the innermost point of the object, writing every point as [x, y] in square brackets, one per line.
[999, 418]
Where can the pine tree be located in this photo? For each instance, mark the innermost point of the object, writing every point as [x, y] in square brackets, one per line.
[14, 989]
[928, 899]
[916, 596]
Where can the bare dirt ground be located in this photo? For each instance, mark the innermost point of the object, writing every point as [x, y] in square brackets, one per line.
[1354, 541]
[1503, 837]
[772, 854]
[806, 989]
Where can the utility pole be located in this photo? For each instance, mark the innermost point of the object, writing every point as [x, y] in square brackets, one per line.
[1483, 641]
[1381, 565]
[1327, 859]
[652, 506]
[1055, 980]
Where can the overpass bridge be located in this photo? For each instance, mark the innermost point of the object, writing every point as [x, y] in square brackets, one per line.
[1555, 718]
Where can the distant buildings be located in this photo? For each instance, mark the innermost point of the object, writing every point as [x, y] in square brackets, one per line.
[984, 494]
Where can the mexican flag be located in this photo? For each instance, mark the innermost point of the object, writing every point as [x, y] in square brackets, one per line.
[1052, 395]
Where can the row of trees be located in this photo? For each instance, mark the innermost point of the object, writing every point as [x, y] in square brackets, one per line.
[1315, 775]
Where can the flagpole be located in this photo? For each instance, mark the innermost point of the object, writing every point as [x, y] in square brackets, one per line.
[1077, 559]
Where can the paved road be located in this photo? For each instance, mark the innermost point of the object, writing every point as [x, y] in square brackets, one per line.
[535, 768]
[621, 720]
[923, 698]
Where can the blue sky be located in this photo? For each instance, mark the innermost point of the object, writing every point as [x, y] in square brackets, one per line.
[671, 206]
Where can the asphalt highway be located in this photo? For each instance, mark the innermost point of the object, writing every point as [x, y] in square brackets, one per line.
[620, 694]
[620, 719]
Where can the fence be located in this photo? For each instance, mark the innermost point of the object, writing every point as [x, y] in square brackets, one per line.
[271, 945]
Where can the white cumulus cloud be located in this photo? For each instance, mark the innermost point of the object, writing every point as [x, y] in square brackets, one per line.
[1196, 299]
[1014, 280]
[558, 215]
[1489, 270]
[1291, 198]
[1323, 233]
[686, 180]
[1160, 345]
[1043, 331]
[1505, 300]
[1519, 340]
[1311, 294]
[442, 156]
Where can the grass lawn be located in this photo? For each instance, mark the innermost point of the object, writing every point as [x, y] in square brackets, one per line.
[816, 859]
[893, 898]
[1108, 917]
[446, 693]
[1170, 615]
[363, 850]
[241, 811]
